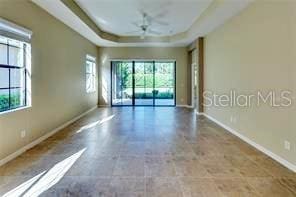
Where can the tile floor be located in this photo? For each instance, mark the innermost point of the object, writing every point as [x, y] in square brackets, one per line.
[129, 152]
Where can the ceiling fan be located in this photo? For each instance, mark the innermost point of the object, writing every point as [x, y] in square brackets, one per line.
[145, 26]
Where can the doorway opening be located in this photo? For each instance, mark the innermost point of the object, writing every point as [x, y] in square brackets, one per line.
[143, 83]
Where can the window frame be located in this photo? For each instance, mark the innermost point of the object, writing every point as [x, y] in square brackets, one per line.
[10, 67]
[133, 62]
[92, 60]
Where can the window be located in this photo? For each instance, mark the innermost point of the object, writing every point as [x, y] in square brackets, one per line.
[143, 83]
[90, 74]
[14, 73]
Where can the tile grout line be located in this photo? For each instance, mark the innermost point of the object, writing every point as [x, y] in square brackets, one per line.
[259, 147]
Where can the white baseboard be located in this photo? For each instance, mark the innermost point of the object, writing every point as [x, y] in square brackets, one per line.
[254, 144]
[103, 106]
[187, 106]
[42, 138]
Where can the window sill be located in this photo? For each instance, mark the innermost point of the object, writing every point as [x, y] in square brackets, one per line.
[14, 110]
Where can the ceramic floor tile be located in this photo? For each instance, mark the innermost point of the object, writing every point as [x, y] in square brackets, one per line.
[100, 167]
[199, 187]
[289, 184]
[189, 167]
[128, 185]
[272, 167]
[204, 148]
[163, 187]
[221, 171]
[156, 166]
[133, 149]
[157, 149]
[9, 183]
[235, 187]
[130, 166]
[269, 187]
[145, 152]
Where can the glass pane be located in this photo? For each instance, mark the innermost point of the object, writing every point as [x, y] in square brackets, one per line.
[88, 83]
[4, 100]
[17, 98]
[88, 67]
[15, 56]
[116, 84]
[144, 83]
[164, 83]
[4, 77]
[153, 85]
[122, 90]
[17, 77]
[3, 54]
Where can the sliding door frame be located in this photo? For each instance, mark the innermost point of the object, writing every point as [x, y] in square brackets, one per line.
[133, 61]
[133, 83]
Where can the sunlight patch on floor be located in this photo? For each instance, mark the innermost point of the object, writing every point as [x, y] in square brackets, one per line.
[45, 180]
[93, 124]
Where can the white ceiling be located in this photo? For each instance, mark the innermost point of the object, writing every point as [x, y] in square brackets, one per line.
[193, 18]
[117, 16]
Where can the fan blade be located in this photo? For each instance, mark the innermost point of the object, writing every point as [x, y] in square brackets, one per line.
[160, 14]
[136, 24]
[163, 23]
[151, 31]
[154, 20]
[131, 32]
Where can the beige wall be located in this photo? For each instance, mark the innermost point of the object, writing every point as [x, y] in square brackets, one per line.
[256, 50]
[107, 54]
[58, 76]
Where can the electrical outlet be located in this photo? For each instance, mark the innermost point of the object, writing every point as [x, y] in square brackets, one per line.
[23, 133]
[287, 145]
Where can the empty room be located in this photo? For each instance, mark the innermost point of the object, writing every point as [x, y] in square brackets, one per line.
[148, 98]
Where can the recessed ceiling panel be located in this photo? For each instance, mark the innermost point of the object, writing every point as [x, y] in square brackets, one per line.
[125, 17]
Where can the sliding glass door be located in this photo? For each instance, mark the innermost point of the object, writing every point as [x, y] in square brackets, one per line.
[164, 83]
[143, 83]
[122, 83]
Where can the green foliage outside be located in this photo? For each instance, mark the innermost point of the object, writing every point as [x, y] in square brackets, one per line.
[126, 75]
[159, 95]
[15, 101]
[163, 79]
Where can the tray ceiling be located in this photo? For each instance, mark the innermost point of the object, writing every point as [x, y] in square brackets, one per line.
[114, 22]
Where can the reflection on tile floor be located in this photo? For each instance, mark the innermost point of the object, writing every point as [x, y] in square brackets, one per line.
[145, 152]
